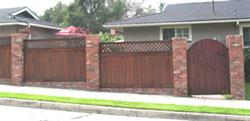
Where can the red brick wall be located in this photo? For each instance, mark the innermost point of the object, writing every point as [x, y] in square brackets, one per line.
[92, 60]
[179, 64]
[164, 91]
[65, 85]
[236, 60]
[17, 59]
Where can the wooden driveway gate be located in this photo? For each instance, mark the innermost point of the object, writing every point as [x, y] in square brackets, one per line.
[136, 65]
[5, 57]
[208, 68]
[58, 60]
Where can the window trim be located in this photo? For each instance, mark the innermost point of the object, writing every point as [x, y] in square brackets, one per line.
[175, 28]
[241, 26]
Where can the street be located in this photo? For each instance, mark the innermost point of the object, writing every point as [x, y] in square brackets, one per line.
[28, 114]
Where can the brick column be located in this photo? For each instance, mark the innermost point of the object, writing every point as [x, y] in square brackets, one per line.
[92, 61]
[179, 51]
[236, 61]
[17, 59]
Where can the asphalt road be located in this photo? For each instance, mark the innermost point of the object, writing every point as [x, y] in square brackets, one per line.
[8, 113]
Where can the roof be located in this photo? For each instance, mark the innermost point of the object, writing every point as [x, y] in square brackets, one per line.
[192, 12]
[9, 16]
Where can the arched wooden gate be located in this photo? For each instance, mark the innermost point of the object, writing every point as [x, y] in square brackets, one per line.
[208, 68]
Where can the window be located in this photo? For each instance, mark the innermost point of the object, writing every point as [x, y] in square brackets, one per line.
[182, 32]
[169, 33]
[246, 36]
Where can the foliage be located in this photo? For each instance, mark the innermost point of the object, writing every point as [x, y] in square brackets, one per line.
[56, 14]
[92, 14]
[106, 37]
[248, 91]
[127, 104]
[162, 6]
[247, 64]
[135, 9]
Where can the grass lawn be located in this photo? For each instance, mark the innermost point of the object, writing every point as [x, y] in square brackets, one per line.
[248, 91]
[126, 104]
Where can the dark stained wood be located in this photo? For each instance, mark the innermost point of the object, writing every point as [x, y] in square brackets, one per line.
[136, 70]
[208, 68]
[5, 61]
[59, 65]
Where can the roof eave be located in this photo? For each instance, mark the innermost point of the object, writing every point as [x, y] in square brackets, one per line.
[27, 10]
[32, 24]
[46, 26]
[175, 23]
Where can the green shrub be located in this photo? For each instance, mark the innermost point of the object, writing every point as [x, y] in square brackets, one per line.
[247, 64]
[106, 37]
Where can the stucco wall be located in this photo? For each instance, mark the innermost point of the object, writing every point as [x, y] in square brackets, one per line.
[37, 32]
[199, 31]
[40, 33]
[7, 30]
[213, 31]
[141, 33]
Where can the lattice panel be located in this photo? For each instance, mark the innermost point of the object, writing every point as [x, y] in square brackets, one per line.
[54, 43]
[5, 41]
[128, 47]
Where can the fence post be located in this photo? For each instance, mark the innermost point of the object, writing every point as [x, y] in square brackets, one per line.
[17, 59]
[179, 50]
[236, 61]
[92, 61]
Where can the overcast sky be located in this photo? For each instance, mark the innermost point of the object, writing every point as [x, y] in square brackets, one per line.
[39, 6]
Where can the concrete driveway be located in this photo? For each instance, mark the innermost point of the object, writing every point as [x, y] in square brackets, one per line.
[28, 114]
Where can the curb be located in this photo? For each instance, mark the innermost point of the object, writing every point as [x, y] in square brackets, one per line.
[121, 111]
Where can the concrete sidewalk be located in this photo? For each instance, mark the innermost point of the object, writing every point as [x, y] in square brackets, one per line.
[127, 97]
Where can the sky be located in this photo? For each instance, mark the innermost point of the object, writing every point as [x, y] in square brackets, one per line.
[39, 6]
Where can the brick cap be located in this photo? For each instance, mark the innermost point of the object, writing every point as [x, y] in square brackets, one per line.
[92, 35]
[233, 36]
[19, 34]
[179, 39]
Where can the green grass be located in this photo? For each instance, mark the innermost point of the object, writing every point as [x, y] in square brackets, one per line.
[248, 91]
[126, 104]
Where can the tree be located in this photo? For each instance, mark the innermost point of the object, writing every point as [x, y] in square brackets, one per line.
[56, 14]
[135, 9]
[92, 14]
[162, 7]
[117, 10]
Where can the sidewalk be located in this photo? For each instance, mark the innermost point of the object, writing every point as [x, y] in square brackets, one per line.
[127, 97]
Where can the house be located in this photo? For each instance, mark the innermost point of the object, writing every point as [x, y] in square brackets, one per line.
[194, 21]
[13, 20]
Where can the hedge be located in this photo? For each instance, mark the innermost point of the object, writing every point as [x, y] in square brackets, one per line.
[247, 64]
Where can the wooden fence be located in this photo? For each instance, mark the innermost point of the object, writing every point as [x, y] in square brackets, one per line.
[5, 62]
[59, 60]
[146, 67]
[136, 65]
